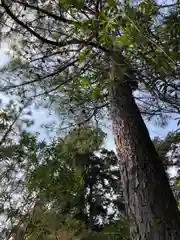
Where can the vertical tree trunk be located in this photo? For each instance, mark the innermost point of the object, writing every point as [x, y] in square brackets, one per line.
[91, 208]
[151, 205]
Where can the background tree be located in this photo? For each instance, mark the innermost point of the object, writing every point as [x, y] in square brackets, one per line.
[99, 202]
[61, 189]
[168, 149]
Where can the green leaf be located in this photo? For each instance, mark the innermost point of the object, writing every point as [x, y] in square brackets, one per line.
[83, 55]
[124, 40]
[111, 3]
[85, 82]
[143, 6]
[78, 4]
[178, 179]
[96, 93]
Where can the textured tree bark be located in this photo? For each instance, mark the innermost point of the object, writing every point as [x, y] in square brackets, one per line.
[150, 202]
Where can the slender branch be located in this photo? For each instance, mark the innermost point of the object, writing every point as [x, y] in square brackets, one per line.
[45, 56]
[59, 18]
[3, 139]
[45, 40]
[39, 79]
[168, 5]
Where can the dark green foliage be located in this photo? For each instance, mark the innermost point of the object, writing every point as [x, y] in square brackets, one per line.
[168, 148]
[88, 183]
[75, 189]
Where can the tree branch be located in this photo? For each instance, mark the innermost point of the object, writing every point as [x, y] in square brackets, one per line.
[3, 139]
[59, 18]
[39, 79]
[45, 40]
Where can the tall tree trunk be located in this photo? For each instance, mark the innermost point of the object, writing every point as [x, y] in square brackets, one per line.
[150, 202]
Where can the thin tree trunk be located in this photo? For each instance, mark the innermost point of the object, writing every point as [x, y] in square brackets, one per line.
[91, 208]
[150, 202]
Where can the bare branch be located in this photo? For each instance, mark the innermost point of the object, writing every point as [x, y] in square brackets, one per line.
[49, 14]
